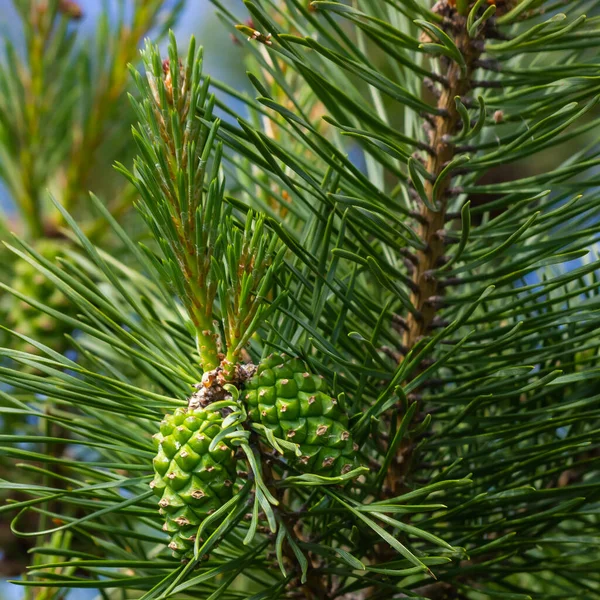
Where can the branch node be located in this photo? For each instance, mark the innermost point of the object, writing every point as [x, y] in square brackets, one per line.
[455, 191]
[451, 281]
[438, 323]
[430, 85]
[435, 302]
[445, 237]
[428, 118]
[488, 65]
[418, 216]
[429, 276]
[399, 323]
[413, 258]
[395, 354]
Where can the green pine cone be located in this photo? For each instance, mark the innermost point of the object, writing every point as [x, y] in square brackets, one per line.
[28, 320]
[295, 406]
[191, 480]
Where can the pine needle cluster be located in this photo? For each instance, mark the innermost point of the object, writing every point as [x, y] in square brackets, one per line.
[403, 216]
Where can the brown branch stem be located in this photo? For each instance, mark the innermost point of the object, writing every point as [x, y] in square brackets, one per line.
[427, 288]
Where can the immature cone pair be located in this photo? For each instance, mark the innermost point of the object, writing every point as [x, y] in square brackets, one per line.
[192, 480]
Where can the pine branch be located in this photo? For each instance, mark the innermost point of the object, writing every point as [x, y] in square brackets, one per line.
[107, 95]
[493, 404]
[432, 222]
[427, 295]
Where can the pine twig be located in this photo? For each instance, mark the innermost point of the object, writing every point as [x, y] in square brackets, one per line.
[428, 289]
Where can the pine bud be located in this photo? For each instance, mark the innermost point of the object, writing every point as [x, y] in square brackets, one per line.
[71, 9]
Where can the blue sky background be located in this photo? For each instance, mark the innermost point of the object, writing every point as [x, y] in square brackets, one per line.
[198, 18]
